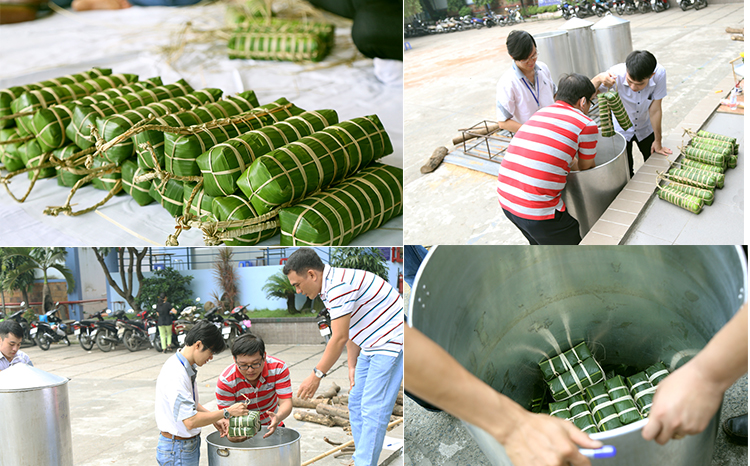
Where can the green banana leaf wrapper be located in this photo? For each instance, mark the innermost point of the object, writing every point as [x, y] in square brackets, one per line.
[732, 161]
[293, 172]
[327, 31]
[49, 124]
[64, 177]
[602, 409]
[280, 46]
[642, 391]
[656, 373]
[618, 109]
[139, 191]
[720, 137]
[202, 204]
[32, 154]
[606, 127]
[577, 406]
[169, 195]
[586, 424]
[115, 125]
[78, 130]
[106, 182]
[33, 101]
[337, 215]
[223, 164]
[9, 154]
[181, 151]
[559, 409]
[587, 373]
[228, 107]
[12, 93]
[237, 207]
[555, 366]
[624, 404]
[251, 420]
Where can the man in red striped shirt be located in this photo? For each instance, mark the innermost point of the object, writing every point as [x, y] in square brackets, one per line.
[533, 173]
[367, 315]
[257, 379]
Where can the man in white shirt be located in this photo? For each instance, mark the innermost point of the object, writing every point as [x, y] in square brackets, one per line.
[367, 314]
[11, 337]
[179, 415]
[642, 84]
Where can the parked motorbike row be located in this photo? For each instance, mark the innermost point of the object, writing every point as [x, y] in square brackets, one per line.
[490, 19]
[600, 8]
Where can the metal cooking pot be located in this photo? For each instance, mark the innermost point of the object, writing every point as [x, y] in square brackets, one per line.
[35, 427]
[499, 310]
[554, 51]
[613, 41]
[582, 51]
[280, 449]
[588, 193]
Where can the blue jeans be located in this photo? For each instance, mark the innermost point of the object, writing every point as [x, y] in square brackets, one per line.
[175, 452]
[413, 257]
[376, 385]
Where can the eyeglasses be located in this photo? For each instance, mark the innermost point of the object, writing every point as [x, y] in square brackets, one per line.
[244, 367]
[531, 58]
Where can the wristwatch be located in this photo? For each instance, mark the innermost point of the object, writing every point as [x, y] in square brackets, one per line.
[318, 373]
[226, 414]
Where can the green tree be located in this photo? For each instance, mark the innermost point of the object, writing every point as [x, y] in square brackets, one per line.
[278, 286]
[412, 8]
[369, 259]
[454, 6]
[135, 259]
[226, 275]
[168, 281]
[12, 281]
[42, 259]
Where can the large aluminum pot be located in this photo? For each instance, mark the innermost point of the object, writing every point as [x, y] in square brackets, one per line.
[499, 310]
[613, 41]
[35, 426]
[554, 51]
[280, 449]
[588, 193]
[581, 42]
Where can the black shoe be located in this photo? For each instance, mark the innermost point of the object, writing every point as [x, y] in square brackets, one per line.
[736, 429]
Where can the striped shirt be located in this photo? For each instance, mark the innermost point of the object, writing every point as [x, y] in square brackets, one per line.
[535, 168]
[375, 307]
[19, 358]
[274, 383]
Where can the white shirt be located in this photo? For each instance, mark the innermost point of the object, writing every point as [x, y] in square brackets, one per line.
[176, 397]
[637, 103]
[518, 98]
[19, 358]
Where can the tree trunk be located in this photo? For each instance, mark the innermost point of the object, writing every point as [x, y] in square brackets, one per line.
[313, 417]
[329, 392]
[332, 411]
[290, 308]
[309, 404]
[126, 291]
[46, 295]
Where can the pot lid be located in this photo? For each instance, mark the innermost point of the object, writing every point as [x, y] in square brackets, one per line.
[575, 23]
[22, 377]
[609, 21]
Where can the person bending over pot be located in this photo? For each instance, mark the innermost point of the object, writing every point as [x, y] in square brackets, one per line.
[11, 337]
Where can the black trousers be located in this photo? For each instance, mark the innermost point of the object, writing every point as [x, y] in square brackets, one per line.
[644, 146]
[563, 229]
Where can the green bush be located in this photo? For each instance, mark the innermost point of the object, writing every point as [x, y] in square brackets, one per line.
[168, 281]
[464, 11]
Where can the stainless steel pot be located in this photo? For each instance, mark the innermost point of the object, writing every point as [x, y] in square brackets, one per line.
[582, 49]
[499, 310]
[613, 41]
[280, 449]
[35, 426]
[554, 51]
[588, 193]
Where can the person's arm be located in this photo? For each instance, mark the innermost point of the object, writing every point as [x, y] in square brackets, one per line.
[334, 347]
[687, 399]
[529, 439]
[654, 113]
[603, 80]
[352, 353]
[283, 411]
[205, 417]
[510, 124]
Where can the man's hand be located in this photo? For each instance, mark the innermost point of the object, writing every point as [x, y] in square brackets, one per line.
[352, 371]
[604, 79]
[222, 425]
[308, 387]
[684, 404]
[238, 409]
[274, 423]
[656, 147]
[543, 440]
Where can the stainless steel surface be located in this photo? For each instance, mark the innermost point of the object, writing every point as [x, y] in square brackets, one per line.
[612, 41]
[280, 449]
[554, 51]
[588, 193]
[499, 310]
[35, 427]
[581, 40]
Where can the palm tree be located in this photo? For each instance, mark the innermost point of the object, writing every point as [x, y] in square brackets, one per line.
[42, 259]
[13, 281]
[226, 275]
[278, 286]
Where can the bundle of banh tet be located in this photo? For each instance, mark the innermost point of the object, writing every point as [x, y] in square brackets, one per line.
[692, 183]
[607, 403]
[281, 39]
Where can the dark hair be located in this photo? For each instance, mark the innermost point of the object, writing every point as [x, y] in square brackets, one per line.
[302, 260]
[574, 86]
[520, 44]
[10, 326]
[163, 297]
[208, 334]
[640, 64]
[248, 344]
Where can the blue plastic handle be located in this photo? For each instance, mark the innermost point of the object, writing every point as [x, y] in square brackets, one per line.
[607, 451]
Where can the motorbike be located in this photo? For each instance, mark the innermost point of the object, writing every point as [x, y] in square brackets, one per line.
[151, 320]
[659, 5]
[478, 23]
[626, 6]
[187, 320]
[514, 16]
[567, 10]
[697, 4]
[131, 332]
[489, 20]
[51, 331]
[84, 329]
[106, 334]
[18, 317]
[324, 324]
[235, 324]
[600, 8]
[643, 5]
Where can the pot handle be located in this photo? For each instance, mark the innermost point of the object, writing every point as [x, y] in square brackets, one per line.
[223, 452]
[607, 451]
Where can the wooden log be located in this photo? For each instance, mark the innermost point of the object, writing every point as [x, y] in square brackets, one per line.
[400, 398]
[313, 417]
[310, 404]
[340, 400]
[466, 137]
[398, 410]
[332, 411]
[340, 421]
[329, 392]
